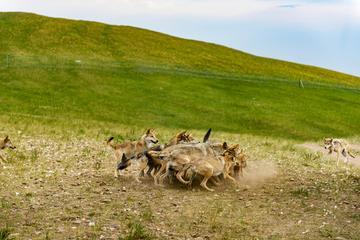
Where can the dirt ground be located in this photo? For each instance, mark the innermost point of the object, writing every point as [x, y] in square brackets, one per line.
[63, 188]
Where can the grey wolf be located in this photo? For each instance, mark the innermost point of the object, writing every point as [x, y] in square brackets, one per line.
[338, 146]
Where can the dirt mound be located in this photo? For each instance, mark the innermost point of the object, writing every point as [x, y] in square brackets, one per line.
[314, 147]
[258, 172]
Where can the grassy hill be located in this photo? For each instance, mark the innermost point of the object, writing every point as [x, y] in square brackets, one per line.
[57, 70]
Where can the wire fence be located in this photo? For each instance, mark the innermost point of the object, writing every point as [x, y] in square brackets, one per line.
[11, 61]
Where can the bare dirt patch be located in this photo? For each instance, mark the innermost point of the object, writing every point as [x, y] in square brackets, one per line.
[258, 172]
[64, 188]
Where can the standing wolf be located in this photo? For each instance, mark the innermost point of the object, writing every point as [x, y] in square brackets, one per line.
[131, 150]
[6, 143]
[338, 146]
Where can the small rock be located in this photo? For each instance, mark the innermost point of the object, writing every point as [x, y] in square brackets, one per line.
[123, 189]
[306, 231]
[77, 221]
[91, 224]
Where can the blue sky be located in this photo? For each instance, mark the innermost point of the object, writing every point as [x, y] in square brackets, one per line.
[323, 33]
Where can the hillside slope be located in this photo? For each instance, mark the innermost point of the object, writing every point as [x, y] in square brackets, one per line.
[27, 34]
[57, 72]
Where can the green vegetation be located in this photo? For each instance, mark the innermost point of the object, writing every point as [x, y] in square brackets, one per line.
[4, 233]
[136, 231]
[63, 71]
[29, 34]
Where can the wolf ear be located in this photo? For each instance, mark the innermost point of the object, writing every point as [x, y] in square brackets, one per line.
[6, 138]
[180, 134]
[148, 131]
[207, 135]
[235, 146]
[123, 158]
[224, 145]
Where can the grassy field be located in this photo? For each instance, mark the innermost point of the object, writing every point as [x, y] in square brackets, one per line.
[66, 69]
[66, 86]
[33, 35]
[246, 105]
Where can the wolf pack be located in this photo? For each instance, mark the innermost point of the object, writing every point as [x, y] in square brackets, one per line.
[185, 159]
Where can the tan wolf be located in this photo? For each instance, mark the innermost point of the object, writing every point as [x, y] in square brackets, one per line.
[211, 166]
[6, 143]
[127, 151]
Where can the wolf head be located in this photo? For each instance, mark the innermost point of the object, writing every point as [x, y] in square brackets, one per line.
[150, 138]
[328, 142]
[8, 143]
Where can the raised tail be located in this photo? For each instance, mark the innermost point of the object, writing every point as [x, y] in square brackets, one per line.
[207, 135]
[351, 154]
[346, 152]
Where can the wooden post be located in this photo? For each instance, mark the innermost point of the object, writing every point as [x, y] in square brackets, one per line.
[301, 85]
[7, 60]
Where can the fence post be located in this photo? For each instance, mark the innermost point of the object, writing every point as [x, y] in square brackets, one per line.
[7, 60]
[301, 85]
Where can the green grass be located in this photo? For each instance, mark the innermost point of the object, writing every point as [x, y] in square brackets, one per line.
[33, 35]
[140, 78]
[153, 99]
[137, 231]
[4, 233]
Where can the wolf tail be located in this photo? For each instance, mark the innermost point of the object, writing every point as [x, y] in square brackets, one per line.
[207, 135]
[351, 154]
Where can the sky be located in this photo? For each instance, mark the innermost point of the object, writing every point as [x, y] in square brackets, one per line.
[324, 33]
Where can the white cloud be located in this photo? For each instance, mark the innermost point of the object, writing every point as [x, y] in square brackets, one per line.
[308, 13]
[319, 14]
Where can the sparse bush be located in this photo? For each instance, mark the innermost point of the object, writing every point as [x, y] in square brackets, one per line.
[300, 192]
[137, 232]
[147, 214]
[34, 155]
[4, 234]
[309, 157]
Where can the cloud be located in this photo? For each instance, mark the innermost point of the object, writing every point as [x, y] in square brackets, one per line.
[320, 14]
[304, 12]
[288, 6]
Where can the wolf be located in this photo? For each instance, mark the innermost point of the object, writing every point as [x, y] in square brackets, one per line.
[128, 151]
[212, 166]
[338, 146]
[6, 143]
